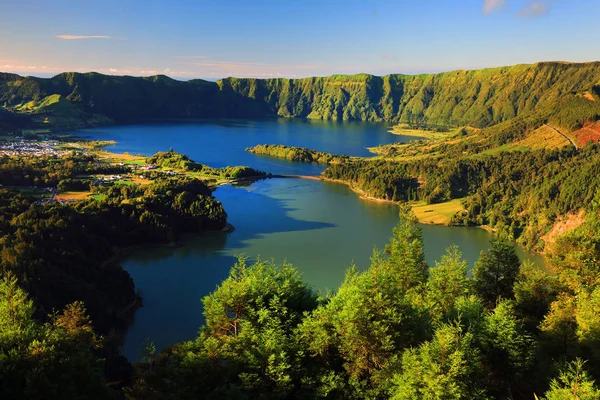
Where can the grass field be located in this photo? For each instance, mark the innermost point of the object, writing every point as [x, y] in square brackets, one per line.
[405, 130]
[73, 195]
[125, 158]
[98, 196]
[437, 213]
[543, 137]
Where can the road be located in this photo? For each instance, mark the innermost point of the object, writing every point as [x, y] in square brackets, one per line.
[563, 135]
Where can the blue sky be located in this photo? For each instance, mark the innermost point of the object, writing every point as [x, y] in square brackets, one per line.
[291, 38]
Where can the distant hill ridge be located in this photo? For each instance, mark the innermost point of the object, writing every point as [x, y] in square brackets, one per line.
[478, 98]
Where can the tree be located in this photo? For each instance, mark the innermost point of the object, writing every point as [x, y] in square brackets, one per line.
[405, 252]
[51, 361]
[444, 368]
[495, 272]
[573, 383]
[560, 325]
[447, 282]
[534, 291]
[508, 351]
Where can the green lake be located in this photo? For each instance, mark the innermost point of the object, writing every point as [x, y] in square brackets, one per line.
[321, 228]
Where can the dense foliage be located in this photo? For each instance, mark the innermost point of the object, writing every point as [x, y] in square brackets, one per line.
[55, 360]
[49, 171]
[397, 330]
[63, 253]
[299, 154]
[177, 161]
[520, 193]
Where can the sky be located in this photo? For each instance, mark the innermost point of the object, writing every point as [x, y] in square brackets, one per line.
[290, 38]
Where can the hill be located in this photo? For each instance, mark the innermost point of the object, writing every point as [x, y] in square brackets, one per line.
[478, 98]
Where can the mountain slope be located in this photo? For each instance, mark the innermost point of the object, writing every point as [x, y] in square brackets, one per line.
[478, 98]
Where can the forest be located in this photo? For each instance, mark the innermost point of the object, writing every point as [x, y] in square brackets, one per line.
[177, 161]
[65, 256]
[402, 329]
[521, 194]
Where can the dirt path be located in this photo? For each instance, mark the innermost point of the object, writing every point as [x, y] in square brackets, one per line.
[563, 135]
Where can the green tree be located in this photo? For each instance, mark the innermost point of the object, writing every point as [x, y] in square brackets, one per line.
[508, 350]
[50, 361]
[573, 383]
[447, 282]
[495, 272]
[405, 252]
[446, 367]
[534, 291]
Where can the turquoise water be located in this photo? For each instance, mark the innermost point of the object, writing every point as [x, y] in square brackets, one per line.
[320, 227]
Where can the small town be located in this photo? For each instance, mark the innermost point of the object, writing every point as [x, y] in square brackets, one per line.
[33, 148]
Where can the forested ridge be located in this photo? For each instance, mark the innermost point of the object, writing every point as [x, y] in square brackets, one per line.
[478, 98]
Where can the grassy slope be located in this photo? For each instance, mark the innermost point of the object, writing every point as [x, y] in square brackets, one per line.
[440, 213]
[478, 98]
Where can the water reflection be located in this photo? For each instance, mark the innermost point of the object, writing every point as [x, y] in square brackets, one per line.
[320, 227]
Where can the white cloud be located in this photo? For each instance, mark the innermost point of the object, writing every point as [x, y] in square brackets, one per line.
[192, 57]
[534, 9]
[489, 6]
[79, 37]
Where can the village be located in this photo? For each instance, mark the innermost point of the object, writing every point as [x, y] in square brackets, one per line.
[139, 171]
[33, 148]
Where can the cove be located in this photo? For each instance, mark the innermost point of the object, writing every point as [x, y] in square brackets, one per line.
[320, 227]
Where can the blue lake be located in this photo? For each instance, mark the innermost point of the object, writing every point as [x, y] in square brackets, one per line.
[320, 227]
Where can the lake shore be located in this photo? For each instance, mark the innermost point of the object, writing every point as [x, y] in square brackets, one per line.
[434, 217]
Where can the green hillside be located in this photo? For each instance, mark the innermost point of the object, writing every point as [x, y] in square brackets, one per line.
[477, 98]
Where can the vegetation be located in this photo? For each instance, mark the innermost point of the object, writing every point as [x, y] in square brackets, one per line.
[502, 181]
[477, 98]
[181, 162]
[401, 329]
[299, 154]
[55, 360]
[398, 330]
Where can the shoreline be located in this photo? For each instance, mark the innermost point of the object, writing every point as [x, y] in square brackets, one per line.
[363, 196]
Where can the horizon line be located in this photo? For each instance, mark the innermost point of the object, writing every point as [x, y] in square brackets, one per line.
[212, 79]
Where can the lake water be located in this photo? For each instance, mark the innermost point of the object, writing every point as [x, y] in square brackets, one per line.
[320, 227]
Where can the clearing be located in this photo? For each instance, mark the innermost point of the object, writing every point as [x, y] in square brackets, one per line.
[440, 213]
